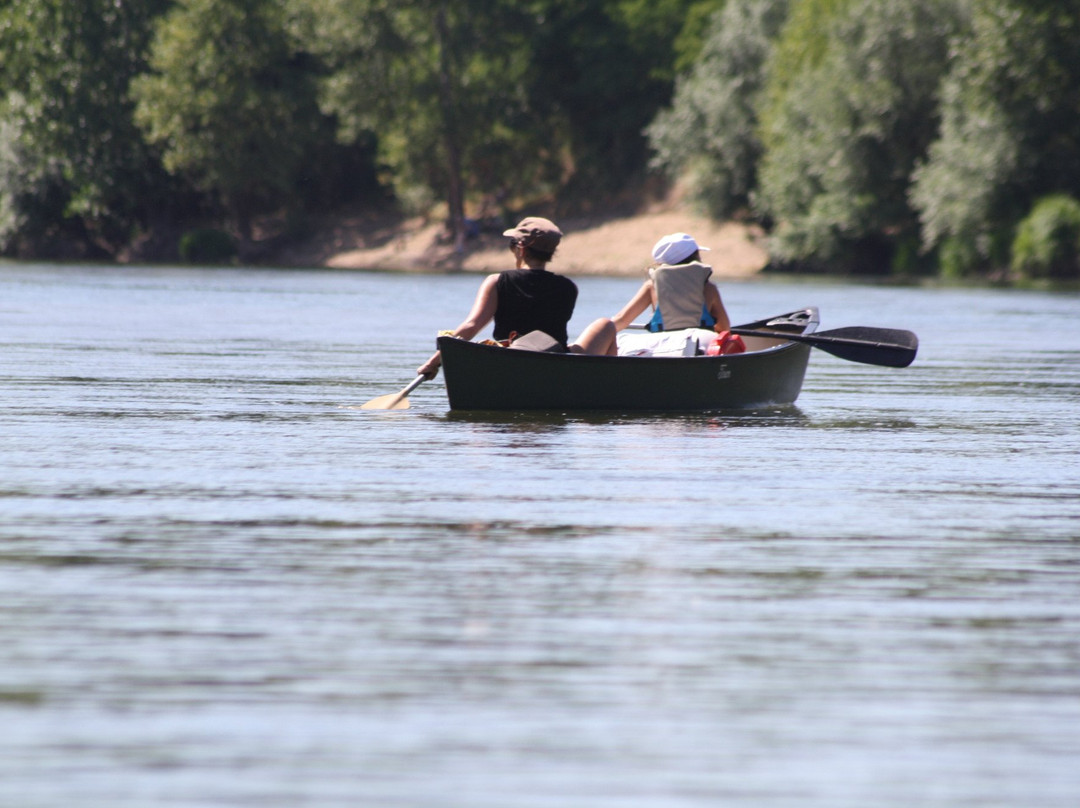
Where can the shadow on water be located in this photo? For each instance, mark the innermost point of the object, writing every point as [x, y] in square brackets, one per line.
[544, 421]
[790, 417]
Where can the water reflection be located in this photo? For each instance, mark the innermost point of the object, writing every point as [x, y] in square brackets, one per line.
[217, 581]
[541, 421]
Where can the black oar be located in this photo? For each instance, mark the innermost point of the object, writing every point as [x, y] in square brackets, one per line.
[891, 347]
[393, 401]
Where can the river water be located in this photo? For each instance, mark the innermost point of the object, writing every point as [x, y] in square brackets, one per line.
[223, 585]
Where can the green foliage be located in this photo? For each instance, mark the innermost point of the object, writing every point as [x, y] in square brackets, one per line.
[877, 136]
[676, 26]
[1047, 243]
[709, 135]
[908, 259]
[1010, 123]
[13, 185]
[695, 28]
[958, 258]
[231, 102]
[529, 98]
[849, 130]
[601, 71]
[207, 245]
[800, 47]
[434, 95]
[73, 165]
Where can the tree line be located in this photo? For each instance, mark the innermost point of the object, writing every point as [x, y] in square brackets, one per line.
[923, 137]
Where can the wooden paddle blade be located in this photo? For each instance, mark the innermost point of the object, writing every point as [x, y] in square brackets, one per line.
[394, 401]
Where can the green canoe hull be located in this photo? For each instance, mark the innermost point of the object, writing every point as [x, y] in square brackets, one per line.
[488, 377]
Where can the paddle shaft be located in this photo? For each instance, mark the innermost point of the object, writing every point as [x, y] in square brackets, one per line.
[412, 385]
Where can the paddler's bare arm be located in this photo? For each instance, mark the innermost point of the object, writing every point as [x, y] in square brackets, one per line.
[638, 303]
[483, 310]
[716, 307]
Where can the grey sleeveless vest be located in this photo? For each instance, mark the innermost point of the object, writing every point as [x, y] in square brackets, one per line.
[680, 293]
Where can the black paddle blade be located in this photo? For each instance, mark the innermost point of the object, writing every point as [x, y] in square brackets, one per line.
[890, 347]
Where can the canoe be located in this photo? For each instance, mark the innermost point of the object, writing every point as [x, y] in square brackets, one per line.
[770, 372]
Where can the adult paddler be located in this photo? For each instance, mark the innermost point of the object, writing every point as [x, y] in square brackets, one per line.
[526, 298]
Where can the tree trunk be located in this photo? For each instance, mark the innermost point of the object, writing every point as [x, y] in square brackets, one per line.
[451, 137]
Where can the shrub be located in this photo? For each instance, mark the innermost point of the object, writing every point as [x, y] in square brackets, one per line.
[958, 257]
[1047, 242]
[207, 246]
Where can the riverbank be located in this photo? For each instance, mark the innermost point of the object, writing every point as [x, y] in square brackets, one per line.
[616, 245]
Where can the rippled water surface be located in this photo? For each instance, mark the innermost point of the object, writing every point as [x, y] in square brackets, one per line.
[223, 585]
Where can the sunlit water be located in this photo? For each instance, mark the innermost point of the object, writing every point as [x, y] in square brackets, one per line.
[223, 585]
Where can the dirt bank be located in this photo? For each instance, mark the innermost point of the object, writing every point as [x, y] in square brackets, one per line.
[591, 246]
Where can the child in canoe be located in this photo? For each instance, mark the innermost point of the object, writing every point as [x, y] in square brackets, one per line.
[678, 289]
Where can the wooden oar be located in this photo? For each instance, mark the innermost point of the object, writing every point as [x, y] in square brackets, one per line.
[891, 347]
[393, 401]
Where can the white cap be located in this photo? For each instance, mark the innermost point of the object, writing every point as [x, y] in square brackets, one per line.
[675, 247]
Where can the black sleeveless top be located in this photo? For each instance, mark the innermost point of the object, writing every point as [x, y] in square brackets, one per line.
[534, 300]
